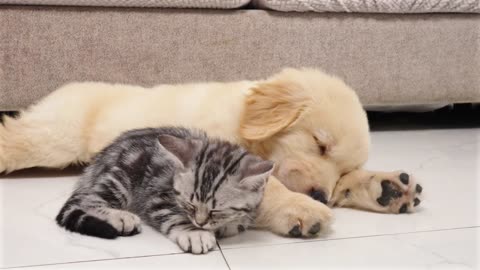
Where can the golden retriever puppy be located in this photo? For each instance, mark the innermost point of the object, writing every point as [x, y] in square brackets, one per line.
[311, 124]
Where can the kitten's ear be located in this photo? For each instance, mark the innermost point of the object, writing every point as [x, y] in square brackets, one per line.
[255, 172]
[183, 149]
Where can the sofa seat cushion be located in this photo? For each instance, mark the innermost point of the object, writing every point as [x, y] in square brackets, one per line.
[373, 6]
[218, 4]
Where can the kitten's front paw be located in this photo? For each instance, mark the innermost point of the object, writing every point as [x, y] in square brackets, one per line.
[126, 223]
[196, 242]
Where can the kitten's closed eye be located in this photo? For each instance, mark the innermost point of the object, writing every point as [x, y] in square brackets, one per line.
[214, 213]
[218, 214]
[241, 209]
[189, 207]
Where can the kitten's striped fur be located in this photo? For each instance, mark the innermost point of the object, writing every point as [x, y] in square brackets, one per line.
[184, 184]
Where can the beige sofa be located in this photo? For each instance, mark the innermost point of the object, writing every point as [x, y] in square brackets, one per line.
[389, 59]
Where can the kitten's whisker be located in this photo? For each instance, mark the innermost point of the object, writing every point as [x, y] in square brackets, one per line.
[249, 217]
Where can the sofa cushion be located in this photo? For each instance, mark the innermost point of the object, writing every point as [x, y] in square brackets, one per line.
[376, 6]
[389, 59]
[220, 4]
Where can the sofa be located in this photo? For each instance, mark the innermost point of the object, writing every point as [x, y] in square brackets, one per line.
[393, 53]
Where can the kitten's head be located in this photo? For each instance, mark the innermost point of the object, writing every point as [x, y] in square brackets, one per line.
[218, 182]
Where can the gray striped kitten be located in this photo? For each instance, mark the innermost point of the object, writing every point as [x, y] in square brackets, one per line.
[185, 185]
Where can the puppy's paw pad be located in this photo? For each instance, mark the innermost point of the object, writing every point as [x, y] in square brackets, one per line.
[296, 231]
[400, 192]
[315, 228]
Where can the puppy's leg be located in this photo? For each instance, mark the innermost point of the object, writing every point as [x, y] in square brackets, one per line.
[28, 142]
[288, 213]
[52, 133]
[385, 192]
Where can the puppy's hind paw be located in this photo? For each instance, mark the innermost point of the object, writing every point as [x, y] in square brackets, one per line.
[385, 192]
[400, 192]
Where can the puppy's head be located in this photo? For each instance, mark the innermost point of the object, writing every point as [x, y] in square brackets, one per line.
[311, 124]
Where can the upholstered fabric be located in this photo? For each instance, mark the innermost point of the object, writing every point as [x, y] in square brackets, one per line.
[221, 4]
[387, 59]
[377, 6]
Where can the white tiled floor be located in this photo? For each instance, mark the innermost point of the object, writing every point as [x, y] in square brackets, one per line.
[444, 234]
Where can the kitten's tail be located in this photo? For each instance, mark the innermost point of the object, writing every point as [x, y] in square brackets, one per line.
[77, 220]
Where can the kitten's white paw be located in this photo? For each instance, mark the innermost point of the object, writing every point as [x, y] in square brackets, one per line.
[126, 223]
[196, 242]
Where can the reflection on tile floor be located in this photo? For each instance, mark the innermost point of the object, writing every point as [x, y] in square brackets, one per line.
[443, 234]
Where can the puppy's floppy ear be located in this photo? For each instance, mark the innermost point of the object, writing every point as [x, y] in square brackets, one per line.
[182, 149]
[272, 107]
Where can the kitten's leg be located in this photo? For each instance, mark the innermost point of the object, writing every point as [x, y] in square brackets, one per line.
[99, 211]
[165, 217]
[288, 213]
[186, 235]
[92, 216]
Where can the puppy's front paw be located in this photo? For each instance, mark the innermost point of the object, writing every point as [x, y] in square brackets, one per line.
[300, 216]
[231, 229]
[197, 241]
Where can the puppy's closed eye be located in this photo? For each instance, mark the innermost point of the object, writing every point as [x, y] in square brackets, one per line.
[322, 148]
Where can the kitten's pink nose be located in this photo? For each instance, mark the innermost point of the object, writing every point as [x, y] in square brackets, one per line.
[201, 216]
[201, 220]
[201, 224]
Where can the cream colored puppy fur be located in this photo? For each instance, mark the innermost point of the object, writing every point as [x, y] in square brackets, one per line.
[311, 124]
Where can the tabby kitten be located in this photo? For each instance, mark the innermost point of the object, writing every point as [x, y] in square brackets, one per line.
[185, 185]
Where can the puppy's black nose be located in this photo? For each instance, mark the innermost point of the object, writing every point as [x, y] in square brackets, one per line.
[319, 195]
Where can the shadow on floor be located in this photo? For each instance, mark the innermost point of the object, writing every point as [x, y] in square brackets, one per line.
[43, 172]
[454, 116]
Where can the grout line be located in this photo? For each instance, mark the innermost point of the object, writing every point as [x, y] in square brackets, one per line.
[252, 246]
[97, 260]
[223, 255]
[346, 238]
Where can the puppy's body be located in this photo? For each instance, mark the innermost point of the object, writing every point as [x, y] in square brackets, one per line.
[311, 124]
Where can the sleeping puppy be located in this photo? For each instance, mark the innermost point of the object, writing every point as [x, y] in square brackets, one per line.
[311, 124]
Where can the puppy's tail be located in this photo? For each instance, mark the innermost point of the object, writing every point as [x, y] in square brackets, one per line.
[74, 219]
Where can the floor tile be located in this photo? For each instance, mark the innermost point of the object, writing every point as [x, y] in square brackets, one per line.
[211, 261]
[445, 162]
[453, 249]
[30, 236]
